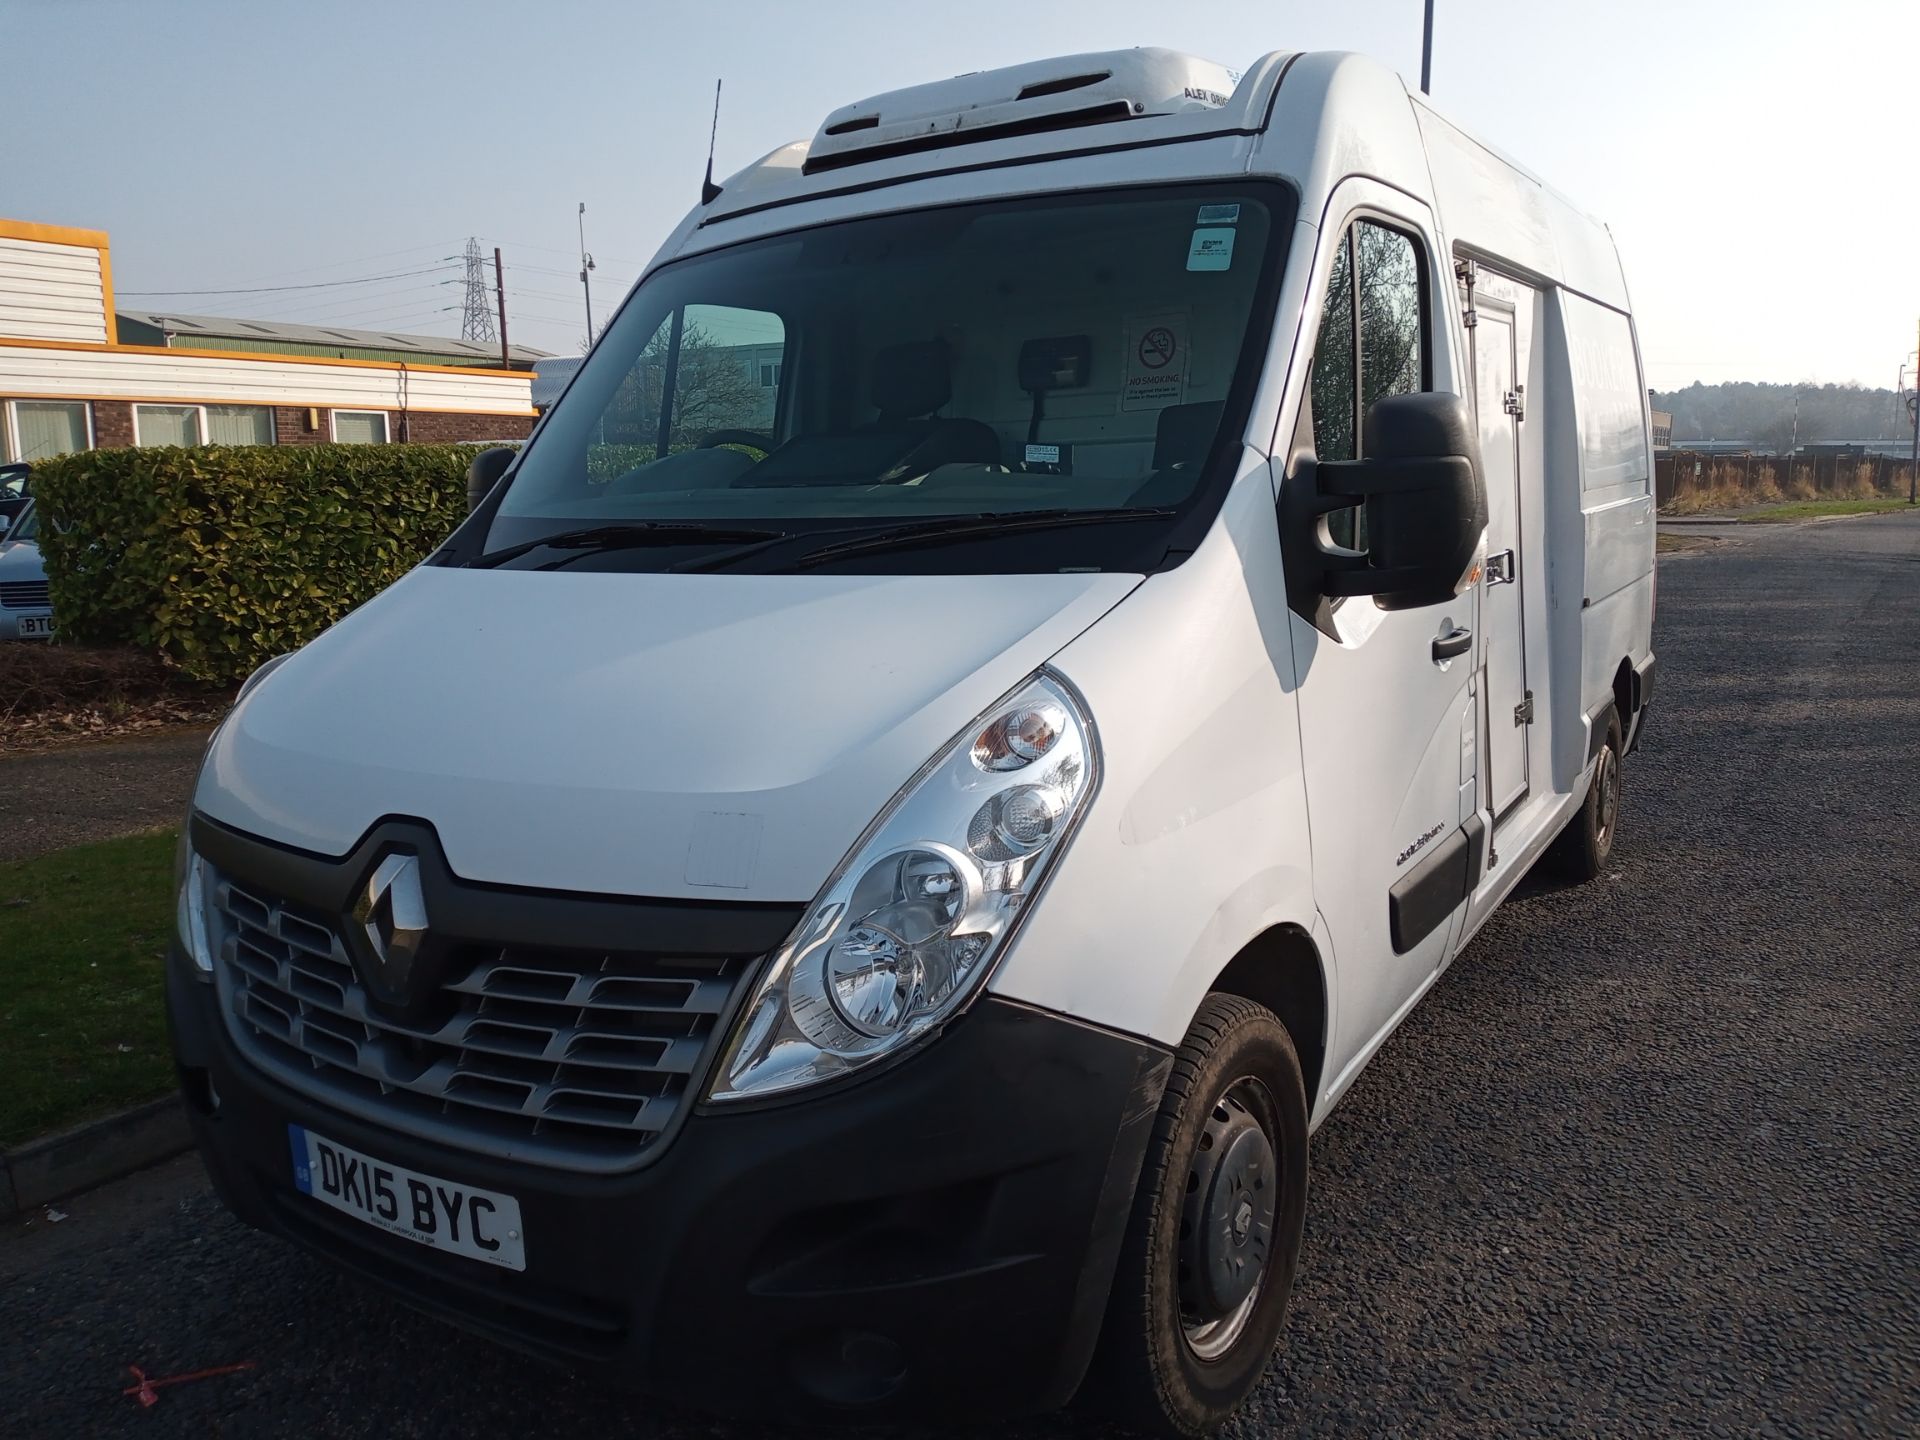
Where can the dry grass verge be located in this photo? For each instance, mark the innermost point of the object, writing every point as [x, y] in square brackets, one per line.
[51, 692]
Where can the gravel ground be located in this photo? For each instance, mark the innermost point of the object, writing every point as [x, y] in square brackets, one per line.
[94, 791]
[1644, 1163]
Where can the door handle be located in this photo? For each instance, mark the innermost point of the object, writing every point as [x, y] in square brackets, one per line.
[1454, 643]
[1500, 568]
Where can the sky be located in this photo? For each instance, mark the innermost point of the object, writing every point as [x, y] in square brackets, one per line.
[1756, 160]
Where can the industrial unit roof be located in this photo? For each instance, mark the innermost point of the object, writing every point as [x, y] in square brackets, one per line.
[207, 331]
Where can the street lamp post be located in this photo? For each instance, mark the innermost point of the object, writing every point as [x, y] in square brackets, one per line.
[1426, 53]
[586, 264]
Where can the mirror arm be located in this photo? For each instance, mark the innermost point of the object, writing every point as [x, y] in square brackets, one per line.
[1348, 480]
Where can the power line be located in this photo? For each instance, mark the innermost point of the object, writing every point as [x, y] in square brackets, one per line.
[311, 285]
[442, 246]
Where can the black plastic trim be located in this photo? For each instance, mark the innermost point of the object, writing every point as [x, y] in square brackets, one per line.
[1640, 688]
[1642, 684]
[973, 1243]
[1597, 729]
[1007, 163]
[1107, 113]
[498, 914]
[1422, 899]
[1475, 829]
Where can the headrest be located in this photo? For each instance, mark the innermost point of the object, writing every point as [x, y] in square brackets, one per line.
[912, 380]
[1185, 433]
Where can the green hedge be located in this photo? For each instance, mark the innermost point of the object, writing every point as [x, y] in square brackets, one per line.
[220, 557]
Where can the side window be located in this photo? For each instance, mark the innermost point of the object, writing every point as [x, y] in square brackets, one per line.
[712, 368]
[1333, 363]
[1373, 343]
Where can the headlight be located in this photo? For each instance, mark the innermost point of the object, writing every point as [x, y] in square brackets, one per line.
[265, 669]
[909, 927]
[190, 904]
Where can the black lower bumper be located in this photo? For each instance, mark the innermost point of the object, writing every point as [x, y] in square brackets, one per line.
[937, 1240]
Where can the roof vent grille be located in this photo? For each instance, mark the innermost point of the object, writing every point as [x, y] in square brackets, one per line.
[1056, 87]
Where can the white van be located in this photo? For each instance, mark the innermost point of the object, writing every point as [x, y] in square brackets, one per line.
[1052, 613]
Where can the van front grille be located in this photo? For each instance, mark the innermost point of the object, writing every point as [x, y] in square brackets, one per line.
[572, 1058]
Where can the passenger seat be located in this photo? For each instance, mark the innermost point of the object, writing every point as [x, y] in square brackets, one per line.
[1181, 440]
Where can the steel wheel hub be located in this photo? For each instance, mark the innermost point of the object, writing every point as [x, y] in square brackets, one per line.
[1226, 1226]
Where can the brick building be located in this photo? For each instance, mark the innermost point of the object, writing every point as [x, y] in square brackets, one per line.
[69, 381]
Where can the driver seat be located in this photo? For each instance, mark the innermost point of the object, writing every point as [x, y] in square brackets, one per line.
[904, 442]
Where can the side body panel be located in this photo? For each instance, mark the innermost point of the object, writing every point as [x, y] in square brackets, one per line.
[1197, 840]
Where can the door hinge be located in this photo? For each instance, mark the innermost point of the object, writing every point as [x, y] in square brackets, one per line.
[1523, 712]
[1465, 271]
[1517, 402]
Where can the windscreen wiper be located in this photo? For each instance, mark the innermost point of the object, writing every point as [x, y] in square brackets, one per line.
[967, 527]
[598, 538]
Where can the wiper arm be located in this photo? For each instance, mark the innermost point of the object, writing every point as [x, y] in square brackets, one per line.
[1008, 522]
[621, 537]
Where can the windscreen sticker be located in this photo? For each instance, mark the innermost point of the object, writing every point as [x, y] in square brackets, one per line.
[1211, 250]
[1156, 368]
[1218, 215]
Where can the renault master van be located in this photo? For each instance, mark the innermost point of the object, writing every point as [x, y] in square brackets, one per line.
[1053, 612]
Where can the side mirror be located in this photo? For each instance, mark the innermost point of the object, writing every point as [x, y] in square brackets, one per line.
[1426, 506]
[485, 471]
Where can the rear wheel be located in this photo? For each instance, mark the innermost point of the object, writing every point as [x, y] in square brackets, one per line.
[1582, 850]
[1209, 1256]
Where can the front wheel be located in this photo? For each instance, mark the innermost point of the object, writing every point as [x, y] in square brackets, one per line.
[1207, 1264]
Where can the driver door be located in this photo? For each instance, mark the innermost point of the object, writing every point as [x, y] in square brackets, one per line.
[1386, 713]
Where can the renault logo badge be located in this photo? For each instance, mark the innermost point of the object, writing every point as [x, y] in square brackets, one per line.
[391, 912]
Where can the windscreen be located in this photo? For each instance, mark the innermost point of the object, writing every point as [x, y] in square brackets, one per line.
[1073, 353]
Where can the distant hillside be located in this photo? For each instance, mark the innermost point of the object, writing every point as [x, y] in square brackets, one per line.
[1763, 413]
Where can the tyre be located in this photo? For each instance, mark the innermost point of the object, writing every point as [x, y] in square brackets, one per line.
[1207, 1264]
[1581, 851]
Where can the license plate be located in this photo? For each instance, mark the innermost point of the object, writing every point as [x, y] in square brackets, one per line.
[35, 625]
[482, 1225]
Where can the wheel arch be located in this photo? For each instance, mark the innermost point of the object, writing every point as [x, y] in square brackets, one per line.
[1281, 968]
[1623, 694]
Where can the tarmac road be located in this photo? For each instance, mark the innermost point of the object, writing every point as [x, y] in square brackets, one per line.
[1645, 1163]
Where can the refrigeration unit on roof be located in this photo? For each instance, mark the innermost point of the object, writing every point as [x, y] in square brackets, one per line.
[1073, 90]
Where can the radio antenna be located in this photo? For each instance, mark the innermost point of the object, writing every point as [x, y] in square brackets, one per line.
[709, 192]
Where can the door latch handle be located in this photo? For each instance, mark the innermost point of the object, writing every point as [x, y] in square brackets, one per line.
[1500, 568]
[1454, 643]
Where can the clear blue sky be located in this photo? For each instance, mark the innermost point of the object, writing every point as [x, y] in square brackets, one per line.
[1758, 161]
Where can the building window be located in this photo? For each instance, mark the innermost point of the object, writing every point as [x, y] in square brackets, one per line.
[202, 425]
[770, 376]
[42, 429]
[167, 425]
[360, 427]
[238, 424]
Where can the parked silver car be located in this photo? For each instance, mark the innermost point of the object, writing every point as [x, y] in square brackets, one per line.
[26, 612]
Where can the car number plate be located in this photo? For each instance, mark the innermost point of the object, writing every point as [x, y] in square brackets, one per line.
[482, 1225]
[31, 625]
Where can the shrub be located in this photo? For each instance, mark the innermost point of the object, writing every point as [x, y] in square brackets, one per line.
[218, 558]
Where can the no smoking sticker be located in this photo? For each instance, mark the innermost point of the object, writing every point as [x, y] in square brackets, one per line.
[1156, 368]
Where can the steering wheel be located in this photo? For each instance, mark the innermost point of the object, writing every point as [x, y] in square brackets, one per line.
[761, 442]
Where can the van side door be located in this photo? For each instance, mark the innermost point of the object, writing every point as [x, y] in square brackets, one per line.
[1385, 697]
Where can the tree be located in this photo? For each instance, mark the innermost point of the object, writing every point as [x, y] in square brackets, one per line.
[713, 389]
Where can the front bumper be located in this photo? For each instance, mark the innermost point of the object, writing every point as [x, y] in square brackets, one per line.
[10, 626]
[935, 1240]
